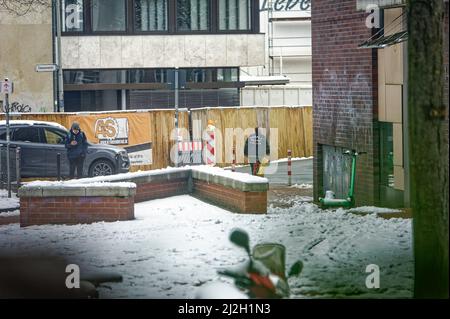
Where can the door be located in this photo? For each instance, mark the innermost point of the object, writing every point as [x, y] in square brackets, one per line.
[32, 159]
[54, 140]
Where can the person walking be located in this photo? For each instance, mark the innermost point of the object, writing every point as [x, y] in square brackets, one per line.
[256, 149]
[76, 144]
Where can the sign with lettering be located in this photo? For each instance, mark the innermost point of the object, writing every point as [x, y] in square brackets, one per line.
[286, 5]
[46, 68]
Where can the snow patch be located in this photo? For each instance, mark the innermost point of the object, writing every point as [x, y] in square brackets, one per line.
[302, 186]
[77, 183]
[374, 210]
[6, 202]
[241, 177]
[10, 214]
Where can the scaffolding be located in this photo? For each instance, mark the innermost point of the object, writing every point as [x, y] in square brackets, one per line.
[281, 47]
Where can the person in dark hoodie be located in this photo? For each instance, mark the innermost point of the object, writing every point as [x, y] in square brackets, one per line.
[255, 149]
[76, 144]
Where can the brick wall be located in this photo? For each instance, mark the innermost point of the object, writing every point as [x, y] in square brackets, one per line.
[237, 200]
[74, 210]
[344, 92]
[161, 189]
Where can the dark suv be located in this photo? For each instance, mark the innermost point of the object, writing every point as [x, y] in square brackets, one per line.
[40, 142]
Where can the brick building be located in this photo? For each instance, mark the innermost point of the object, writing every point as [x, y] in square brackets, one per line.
[360, 99]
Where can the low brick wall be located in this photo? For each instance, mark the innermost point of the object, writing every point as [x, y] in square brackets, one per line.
[112, 198]
[68, 204]
[245, 197]
[152, 184]
[236, 200]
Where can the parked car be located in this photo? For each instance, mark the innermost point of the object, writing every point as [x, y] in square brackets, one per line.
[40, 142]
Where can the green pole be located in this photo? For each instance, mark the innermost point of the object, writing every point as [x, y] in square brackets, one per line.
[352, 177]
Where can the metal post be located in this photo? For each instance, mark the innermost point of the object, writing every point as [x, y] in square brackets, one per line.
[289, 167]
[176, 116]
[58, 166]
[233, 166]
[59, 57]
[54, 74]
[18, 177]
[1, 169]
[117, 164]
[8, 166]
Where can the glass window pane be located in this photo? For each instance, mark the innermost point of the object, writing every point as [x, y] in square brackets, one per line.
[192, 15]
[54, 136]
[147, 76]
[227, 75]
[26, 134]
[94, 76]
[151, 15]
[235, 14]
[108, 15]
[72, 15]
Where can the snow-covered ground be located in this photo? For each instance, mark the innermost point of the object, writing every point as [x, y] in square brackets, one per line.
[176, 244]
[6, 202]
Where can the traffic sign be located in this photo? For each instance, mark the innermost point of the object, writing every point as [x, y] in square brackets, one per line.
[7, 87]
[46, 68]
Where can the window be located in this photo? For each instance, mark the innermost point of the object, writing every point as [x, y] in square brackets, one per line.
[92, 76]
[72, 15]
[227, 75]
[199, 75]
[26, 134]
[386, 154]
[87, 17]
[108, 15]
[234, 14]
[147, 76]
[53, 136]
[151, 15]
[192, 15]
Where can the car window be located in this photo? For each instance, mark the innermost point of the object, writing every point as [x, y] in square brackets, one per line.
[26, 134]
[3, 134]
[53, 136]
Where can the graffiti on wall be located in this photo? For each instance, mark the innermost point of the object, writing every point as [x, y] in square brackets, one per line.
[347, 123]
[16, 107]
[350, 109]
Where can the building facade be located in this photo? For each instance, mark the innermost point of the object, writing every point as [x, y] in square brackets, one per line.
[360, 84]
[122, 54]
[25, 42]
[286, 76]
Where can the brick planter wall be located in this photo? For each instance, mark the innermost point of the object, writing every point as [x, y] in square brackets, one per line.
[74, 210]
[75, 205]
[152, 184]
[161, 189]
[112, 198]
[238, 194]
[236, 200]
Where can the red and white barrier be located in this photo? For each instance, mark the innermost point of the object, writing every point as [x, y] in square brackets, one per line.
[189, 146]
[289, 167]
[210, 146]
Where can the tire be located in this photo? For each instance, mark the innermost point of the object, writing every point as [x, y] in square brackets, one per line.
[102, 167]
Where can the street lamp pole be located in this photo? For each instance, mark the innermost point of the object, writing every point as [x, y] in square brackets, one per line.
[177, 115]
[58, 57]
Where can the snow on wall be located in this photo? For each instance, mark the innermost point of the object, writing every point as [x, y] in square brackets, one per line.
[241, 177]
